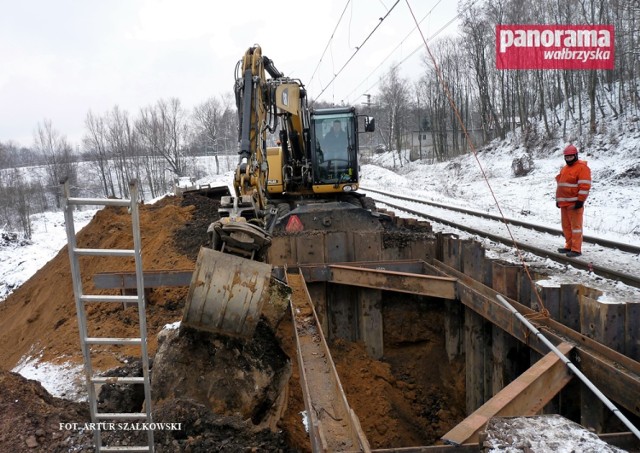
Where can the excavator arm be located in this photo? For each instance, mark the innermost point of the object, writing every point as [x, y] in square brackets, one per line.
[251, 172]
[228, 292]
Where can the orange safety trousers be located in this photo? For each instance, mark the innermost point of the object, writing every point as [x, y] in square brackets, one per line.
[572, 227]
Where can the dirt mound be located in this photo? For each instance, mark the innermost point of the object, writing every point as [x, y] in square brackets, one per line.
[30, 418]
[230, 376]
[40, 316]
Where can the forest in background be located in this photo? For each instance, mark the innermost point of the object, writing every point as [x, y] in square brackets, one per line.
[161, 142]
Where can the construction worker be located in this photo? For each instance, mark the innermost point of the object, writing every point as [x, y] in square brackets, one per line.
[574, 182]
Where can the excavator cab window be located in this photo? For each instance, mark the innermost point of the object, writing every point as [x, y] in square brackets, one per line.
[335, 139]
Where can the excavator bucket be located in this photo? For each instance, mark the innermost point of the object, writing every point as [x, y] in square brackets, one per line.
[229, 294]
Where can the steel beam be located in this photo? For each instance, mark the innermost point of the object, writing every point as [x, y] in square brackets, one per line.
[152, 279]
[377, 276]
[333, 425]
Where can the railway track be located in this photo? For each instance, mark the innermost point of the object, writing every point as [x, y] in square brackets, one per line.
[609, 259]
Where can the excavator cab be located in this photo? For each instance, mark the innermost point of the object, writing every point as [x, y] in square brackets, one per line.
[335, 159]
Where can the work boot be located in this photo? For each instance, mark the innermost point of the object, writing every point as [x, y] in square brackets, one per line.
[563, 250]
[573, 254]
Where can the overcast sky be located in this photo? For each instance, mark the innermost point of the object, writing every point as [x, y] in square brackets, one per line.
[62, 58]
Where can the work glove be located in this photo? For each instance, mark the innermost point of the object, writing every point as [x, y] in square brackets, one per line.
[579, 204]
[557, 204]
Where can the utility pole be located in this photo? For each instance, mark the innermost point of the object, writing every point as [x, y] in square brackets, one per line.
[419, 128]
[368, 104]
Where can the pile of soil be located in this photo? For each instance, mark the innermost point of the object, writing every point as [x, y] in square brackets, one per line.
[398, 403]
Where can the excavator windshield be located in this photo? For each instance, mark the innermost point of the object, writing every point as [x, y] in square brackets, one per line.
[335, 138]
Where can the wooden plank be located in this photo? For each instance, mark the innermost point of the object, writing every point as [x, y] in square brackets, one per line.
[525, 396]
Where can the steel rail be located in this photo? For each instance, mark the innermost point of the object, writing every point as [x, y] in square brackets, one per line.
[532, 226]
[572, 367]
[613, 274]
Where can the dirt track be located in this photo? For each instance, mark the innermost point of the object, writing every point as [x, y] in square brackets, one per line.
[398, 402]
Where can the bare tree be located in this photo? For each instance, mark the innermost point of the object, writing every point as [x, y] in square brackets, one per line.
[60, 163]
[163, 130]
[96, 142]
[394, 103]
[209, 126]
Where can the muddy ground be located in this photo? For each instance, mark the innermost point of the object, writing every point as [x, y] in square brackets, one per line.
[409, 398]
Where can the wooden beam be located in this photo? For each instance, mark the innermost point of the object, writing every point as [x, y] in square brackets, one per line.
[527, 395]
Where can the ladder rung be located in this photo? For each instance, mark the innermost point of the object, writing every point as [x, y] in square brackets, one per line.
[98, 298]
[98, 201]
[131, 449]
[117, 380]
[105, 340]
[121, 416]
[104, 252]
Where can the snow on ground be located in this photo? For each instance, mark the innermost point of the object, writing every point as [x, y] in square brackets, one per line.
[542, 433]
[62, 380]
[611, 212]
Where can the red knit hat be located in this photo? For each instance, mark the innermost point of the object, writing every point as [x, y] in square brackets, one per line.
[570, 150]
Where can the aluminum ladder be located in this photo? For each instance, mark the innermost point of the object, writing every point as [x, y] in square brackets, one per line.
[82, 299]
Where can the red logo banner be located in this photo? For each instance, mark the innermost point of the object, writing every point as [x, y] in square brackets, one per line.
[554, 47]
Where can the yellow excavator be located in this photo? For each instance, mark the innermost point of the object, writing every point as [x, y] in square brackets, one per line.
[313, 169]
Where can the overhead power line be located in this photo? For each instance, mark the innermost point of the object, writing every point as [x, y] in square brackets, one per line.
[359, 47]
[329, 41]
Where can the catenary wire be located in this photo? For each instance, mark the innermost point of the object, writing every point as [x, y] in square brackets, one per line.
[400, 44]
[435, 34]
[472, 148]
[329, 41]
[382, 19]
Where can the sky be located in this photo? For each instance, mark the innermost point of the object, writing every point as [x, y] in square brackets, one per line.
[61, 59]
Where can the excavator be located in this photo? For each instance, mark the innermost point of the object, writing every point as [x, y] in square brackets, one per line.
[313, 170]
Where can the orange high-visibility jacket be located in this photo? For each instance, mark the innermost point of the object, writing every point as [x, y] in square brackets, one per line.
[574, 182]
